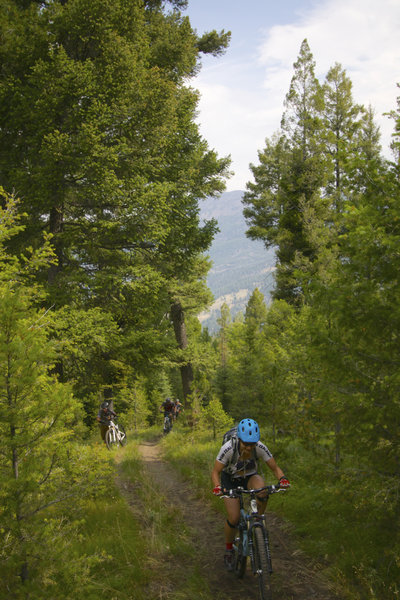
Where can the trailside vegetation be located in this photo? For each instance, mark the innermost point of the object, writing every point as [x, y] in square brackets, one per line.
[319, 366]
[100, 145]
[42, 462]
[101, 266]
[103, 271]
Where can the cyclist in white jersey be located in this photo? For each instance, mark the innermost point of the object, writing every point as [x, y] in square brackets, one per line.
[236, 465]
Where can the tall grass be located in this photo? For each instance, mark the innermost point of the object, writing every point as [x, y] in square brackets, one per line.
[171, 554]
[111, 534]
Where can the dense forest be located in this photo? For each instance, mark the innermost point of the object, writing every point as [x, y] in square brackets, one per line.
[103, 263]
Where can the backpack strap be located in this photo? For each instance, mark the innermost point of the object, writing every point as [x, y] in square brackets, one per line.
[235, 455]
[235, 446]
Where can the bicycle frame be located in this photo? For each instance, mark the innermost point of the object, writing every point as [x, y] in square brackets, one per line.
[167, 423]
[115, 433]
[250, 519]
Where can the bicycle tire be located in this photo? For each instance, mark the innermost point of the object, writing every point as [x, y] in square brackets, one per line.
[262, 566]
[240, 557]
[123, 440]
[111, 439]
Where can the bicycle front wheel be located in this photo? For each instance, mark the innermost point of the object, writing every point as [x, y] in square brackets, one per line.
[262, 564]
[240, 556]
[122, 435]
[111, 439]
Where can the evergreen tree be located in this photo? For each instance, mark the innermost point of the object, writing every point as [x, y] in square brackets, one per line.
[40, 466]
[223, 384]
[98, 136]
[290, 179]
[342, 124]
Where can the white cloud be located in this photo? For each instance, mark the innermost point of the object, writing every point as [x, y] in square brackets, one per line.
[242, 102]
[362, 35]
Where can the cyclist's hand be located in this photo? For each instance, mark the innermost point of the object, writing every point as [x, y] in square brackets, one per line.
[284, 482]
[217, 491]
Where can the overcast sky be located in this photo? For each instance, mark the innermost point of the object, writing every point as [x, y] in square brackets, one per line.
[242, 92]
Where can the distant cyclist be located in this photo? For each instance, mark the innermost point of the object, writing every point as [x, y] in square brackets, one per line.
[236, 465]
[178, 407]
[104, 416]
[168, 408]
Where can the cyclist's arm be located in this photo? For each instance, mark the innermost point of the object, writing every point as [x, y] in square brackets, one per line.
[277, 471]
[216, 473]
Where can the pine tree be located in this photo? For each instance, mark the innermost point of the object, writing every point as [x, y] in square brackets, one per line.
[290, 178]
[97, 126]
[40, 465]
[342, 122]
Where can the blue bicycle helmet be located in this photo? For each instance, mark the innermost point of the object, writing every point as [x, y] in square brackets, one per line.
[248, 431]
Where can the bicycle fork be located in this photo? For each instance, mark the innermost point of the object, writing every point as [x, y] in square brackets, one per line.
[267, 549]
[251, 547]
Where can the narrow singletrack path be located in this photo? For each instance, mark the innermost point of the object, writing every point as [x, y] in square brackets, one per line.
[294, 577]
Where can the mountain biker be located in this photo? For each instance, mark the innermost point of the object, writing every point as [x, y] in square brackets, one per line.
[168, 407]
[236, 465]
[104, 416]
[178, 407]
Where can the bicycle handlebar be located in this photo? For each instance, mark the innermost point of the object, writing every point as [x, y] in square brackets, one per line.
[237, 492]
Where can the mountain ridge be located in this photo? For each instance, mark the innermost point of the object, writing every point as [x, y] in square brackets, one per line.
[239, 265]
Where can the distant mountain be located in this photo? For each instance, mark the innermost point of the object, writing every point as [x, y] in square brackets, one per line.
[239, 264]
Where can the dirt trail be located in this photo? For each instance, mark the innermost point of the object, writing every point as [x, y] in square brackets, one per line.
[294, 577]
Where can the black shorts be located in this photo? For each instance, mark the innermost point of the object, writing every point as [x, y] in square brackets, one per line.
[231, 483]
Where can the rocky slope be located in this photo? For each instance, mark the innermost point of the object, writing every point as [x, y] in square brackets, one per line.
[239, 264]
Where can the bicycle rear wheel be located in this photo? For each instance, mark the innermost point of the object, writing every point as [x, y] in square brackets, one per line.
[240, 556]
[111, 439]
[262, 564]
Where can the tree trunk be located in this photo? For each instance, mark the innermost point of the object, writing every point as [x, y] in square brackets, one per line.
[178, 321]
[56, 227]
[338, 429]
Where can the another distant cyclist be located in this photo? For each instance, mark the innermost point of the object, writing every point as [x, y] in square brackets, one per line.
[104, 416]
[168, 408]
[236, 465]
[178, 407]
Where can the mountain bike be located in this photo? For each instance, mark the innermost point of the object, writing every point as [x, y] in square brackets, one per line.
[115, 435]
[167, 424]
[253, 538]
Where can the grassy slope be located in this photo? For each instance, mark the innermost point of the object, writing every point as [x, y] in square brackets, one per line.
[123, 552]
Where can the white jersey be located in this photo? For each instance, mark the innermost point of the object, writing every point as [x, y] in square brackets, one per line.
[235, 465]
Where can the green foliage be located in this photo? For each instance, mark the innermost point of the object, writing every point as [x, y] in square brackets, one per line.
[133, 405]
[214, 43]
[97, 124]
[214, 418]
[41, 464]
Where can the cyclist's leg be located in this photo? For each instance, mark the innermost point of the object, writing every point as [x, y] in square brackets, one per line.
[232, 508]
[254, 482]
[103, 431]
